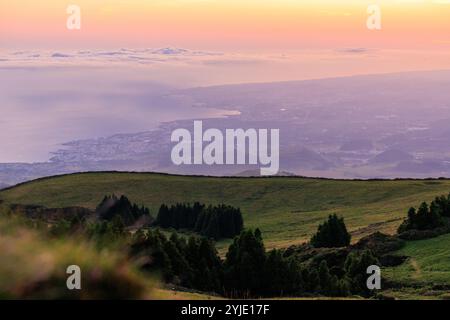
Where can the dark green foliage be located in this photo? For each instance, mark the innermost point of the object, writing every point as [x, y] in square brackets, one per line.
[428, 221]
[206, 266]
[282, 276]
[334, 257]
[330, 284]
[381, 246]
[67, 226]
[312, 280]
[324, 277]
[244, 264]
[425, 218]
[214, 222]
[331, 234]
[415, 234]
[251, 272]
[194, 264]
[179, 216]
[105, 231]
[356, 266]
[443, 203]
[248, 270]
[112, 206]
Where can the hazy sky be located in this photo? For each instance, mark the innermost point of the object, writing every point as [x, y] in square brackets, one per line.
[226, 24]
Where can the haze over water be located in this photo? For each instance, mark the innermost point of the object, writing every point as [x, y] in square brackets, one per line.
[52, 97]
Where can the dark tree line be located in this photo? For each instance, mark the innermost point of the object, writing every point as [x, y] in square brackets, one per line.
[248, 270]
[428, 217]
[112, 206]
[251, 271]
[443, 203]
[214, 222]
[192, 263]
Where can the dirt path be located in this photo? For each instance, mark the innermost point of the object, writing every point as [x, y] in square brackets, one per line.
[417, 271]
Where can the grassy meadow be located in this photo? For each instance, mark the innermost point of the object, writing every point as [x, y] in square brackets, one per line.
[426, 273]
[286, 209]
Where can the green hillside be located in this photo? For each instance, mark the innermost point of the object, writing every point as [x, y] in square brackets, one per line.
[428, 262]
[286, 209]
[426, 272]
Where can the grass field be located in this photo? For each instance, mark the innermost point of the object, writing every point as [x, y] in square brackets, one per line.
[426, 273]
[286, 209]
[429, 262]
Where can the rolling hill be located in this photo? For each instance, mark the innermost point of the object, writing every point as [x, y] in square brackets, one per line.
[426, 272]
[286, 209]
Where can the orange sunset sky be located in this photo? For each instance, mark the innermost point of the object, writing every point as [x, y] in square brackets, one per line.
[226, 24]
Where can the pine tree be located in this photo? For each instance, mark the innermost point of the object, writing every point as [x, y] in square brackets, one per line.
[243, 264]
[324, 277]
[280, 276]
[332, 233]
[426, 217]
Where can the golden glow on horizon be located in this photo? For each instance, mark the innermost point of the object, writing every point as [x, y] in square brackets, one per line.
[232, 24]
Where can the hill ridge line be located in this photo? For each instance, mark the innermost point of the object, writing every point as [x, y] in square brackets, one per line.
[220, 177]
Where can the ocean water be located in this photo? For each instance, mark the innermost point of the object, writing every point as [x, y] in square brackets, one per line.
[43, 107]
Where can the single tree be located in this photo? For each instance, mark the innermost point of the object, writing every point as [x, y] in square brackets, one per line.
[332, 233]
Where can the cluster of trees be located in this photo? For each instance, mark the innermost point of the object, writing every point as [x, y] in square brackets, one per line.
[248, 269]
[214, 222]
[331, 234]
[114, 214]
[106, 230]
[443, 203]
[179, 216]
[427, 217]
[112, 206]
[191, 263]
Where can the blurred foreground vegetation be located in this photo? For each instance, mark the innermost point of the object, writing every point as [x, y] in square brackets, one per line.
[33, 265]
